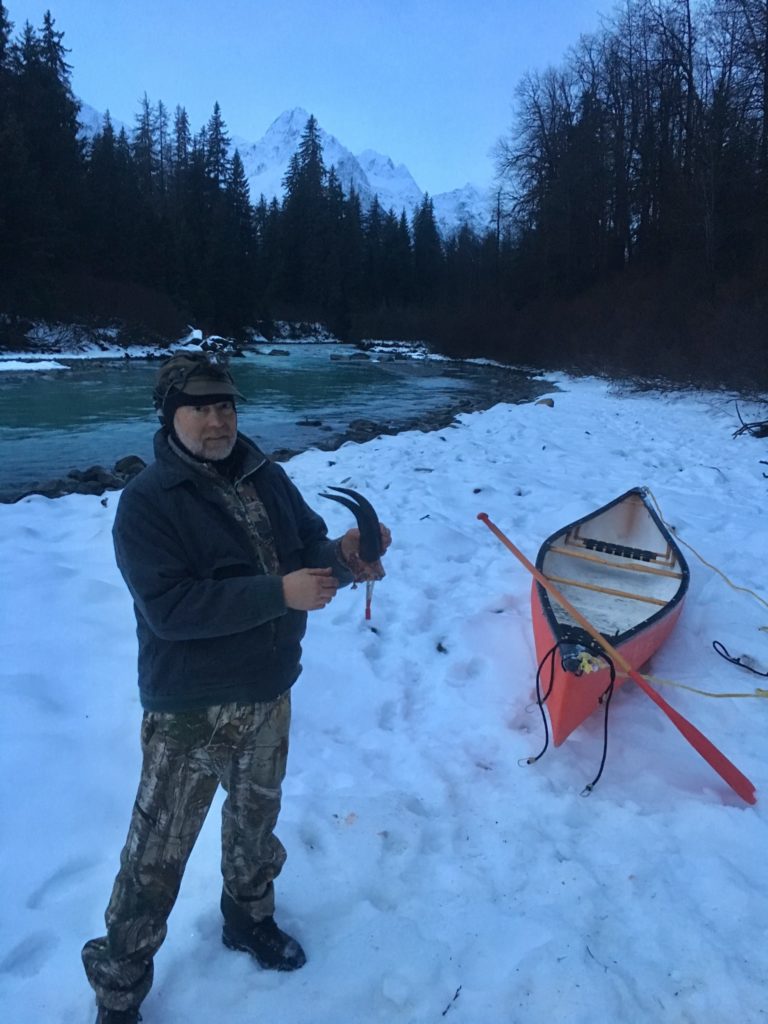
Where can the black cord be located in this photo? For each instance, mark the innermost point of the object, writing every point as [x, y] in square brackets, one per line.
[541, 701]
[722, 650]
[549, 656]
[606, 697]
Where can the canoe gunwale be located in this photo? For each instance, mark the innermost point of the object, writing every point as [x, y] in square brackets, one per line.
[556, 626]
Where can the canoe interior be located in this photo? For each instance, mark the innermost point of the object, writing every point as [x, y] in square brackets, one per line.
[619, 567]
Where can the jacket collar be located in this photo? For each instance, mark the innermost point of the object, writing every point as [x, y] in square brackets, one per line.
[176, 469]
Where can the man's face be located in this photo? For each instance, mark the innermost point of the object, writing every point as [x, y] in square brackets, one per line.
[208, 431]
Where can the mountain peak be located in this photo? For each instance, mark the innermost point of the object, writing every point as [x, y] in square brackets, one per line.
[289, 122]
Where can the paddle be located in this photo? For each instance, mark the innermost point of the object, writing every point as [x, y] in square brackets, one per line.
[738, 782]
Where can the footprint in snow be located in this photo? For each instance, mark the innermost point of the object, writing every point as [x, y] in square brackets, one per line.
[60, 882]
[387, 716]
[28, 957]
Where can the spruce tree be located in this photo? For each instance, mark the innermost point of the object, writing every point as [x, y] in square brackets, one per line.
[395, 277]
[182, 140]
[234, 293]
[6, 27]
[144, 147]
[268, 256]
[239, 197]
[372, 226]
[114, 205]
[427, 252]
[43, 113]
[313, 172]
[52, 50]
[217, 154]
[163, 149]
[352, 247]
[305, 224]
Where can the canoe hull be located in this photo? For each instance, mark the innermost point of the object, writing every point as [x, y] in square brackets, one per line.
[622, 570]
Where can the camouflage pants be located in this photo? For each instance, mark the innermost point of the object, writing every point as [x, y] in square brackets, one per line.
[186, 755]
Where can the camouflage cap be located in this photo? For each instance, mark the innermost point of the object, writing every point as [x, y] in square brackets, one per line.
[193, 374]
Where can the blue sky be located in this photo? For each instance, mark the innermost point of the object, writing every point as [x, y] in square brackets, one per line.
[429, 83]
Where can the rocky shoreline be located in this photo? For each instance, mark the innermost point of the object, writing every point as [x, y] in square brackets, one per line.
[99, 480]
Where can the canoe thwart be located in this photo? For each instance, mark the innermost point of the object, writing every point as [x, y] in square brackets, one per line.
[606, 590]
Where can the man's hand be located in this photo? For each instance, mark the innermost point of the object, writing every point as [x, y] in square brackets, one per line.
[350, 550]
[350, 542]
[306, 590]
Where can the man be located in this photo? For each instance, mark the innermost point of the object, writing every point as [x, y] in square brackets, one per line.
[223, 558]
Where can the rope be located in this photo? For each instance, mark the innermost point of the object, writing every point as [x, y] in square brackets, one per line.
[715, 643]
[701, 558]
[702, 693]
[541, 701]
[607, 698]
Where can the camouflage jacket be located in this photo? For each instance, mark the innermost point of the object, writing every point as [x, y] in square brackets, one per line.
[211, 620]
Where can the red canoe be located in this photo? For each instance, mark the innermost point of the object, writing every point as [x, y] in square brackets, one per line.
[620, 568]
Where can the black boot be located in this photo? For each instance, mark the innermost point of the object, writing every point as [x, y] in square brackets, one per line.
[270, 947]
[106, 1016]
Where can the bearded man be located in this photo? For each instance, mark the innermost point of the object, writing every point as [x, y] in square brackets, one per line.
[223, 559]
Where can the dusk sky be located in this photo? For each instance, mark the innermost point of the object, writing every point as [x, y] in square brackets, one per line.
[430, 83]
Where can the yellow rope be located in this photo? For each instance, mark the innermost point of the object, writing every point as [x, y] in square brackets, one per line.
[703, 693]
[682, 686]
[703, 560]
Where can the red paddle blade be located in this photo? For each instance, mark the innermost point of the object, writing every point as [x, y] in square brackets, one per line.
[727, 771]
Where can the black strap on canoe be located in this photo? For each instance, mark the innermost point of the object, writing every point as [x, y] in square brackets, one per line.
[549, 656]
[722, 650]
[542, 699]
[605, 699]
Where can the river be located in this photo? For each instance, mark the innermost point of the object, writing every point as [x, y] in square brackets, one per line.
[96, 411]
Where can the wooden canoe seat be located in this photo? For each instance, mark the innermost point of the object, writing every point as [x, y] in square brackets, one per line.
[651, 570]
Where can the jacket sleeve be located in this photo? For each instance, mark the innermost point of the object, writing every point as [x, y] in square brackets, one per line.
[175, 604]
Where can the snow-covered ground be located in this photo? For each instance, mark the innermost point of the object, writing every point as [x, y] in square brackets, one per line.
[429, 877]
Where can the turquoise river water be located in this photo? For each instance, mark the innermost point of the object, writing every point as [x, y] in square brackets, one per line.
[97, 411]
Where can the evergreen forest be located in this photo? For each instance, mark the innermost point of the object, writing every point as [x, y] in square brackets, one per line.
[628, 231]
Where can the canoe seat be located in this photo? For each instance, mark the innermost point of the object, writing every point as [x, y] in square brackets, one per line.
[608, 548]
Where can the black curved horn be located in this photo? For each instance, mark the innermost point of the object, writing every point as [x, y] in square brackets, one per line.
[371, 548]
[343, 501]
[361, 501]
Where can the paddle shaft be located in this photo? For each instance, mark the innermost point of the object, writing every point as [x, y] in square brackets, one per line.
[738, 782]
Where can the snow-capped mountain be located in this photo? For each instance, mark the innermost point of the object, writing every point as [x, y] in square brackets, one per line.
[394, 185]
[267, 160]
[467, 205]
[369, 172]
